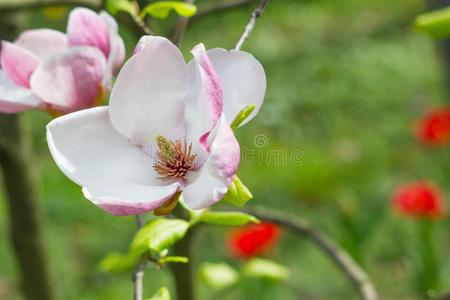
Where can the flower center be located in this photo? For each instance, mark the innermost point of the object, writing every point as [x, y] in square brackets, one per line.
[174, 159]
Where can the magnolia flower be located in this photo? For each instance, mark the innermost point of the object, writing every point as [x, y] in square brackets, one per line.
[164, 132]
[434, 127]
[252, 240]
[419, 200]
[48, 70]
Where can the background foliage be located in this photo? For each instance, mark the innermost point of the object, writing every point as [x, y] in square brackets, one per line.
[346, 81]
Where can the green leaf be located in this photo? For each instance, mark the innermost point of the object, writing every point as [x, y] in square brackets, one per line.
[242, 115]
[118, 263]
[157, 235]
[175, 259]
[218, 276]
[161, 9]
[238, 194]
[265, 269]
[227, 218]
[114, 6]
[435, 24]
[162, 294]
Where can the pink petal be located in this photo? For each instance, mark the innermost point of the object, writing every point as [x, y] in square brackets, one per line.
[70, 81]
[115, 175]
[117, 53]
[14, 98]
[86, 28]
[210, 183]
[18, 63]
[43, 42]
[242, 79]
[204, 105]
[129, 198]
[148, 96]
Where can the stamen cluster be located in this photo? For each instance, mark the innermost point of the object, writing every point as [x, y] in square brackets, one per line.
[174, 159]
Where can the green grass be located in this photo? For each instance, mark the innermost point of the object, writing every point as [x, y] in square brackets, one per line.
[346, 81]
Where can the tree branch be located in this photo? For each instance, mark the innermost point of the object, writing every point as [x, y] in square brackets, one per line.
[340, 257]
[183, 273]
[251, 24]
[8, 5]
[222, 6]
[180, 28]
[444, 297]
[138, 276]
[26, 218]
[26, 223]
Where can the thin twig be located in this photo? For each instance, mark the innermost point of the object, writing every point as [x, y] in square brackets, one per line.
[180, 28]
[339, 256]
[251, 24]
[139, 221]
[137, 18]
[8, 5]
[222, 6]
[138, 276]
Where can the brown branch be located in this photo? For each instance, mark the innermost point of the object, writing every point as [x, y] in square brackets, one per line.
[340, 257]
[184, 277]
[251, 24]
[25, 214]
[444, 297]
[221, 7]
[180, 28]
[8, 5]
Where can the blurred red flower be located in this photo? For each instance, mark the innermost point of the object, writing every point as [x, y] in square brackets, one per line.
[253, 239]
[420, 199]
[434, 127]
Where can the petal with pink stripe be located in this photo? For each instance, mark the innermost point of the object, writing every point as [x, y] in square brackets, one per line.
[18, 63]
[204, 103]
[70, 81]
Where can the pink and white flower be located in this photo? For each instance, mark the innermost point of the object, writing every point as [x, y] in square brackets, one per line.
[48, 70]
[165, 130]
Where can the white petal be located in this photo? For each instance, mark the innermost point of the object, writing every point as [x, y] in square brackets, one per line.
[148, 96]
[14, 98]
[204, 102]
[210, 183]
[18, 63]
[242, 79]
[117, 52]
[86, 28]
[43, 42]
[70, 80]
[116, 175]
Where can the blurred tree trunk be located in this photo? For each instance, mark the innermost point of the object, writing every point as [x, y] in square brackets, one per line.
[183, 273]
[26, 224]
[444, 45]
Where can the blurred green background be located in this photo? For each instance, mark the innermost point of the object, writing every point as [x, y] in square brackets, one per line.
[346, 81]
